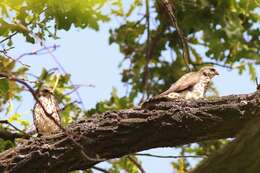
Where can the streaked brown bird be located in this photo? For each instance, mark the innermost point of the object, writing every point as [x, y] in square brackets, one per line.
[192, 85]
[44, 124]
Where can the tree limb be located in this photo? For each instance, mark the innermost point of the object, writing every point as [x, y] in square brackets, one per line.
[100, 169]
[7, 135]
[163, 123]
[170, 9]
[17, 129]
[241, 155]
[169, 157]
[135, 162]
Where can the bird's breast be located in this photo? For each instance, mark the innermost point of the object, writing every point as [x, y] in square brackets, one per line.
[43, 123]
[198, 90]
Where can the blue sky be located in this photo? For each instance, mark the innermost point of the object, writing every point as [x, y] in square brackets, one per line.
[87, 55]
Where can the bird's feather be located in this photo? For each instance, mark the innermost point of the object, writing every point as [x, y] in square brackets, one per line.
[43, 123]
[186, 81]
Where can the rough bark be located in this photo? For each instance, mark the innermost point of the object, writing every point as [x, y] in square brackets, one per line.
[163, 123]
[6, 135]
[241, 155]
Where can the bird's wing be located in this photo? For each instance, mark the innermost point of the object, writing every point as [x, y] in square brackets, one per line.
[34, 117]
[57, 109]
[183, 83]
[36, 111]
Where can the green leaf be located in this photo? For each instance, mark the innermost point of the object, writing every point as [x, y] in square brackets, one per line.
[4, 86]
[252, 71]
[14, 117]
[9, 108]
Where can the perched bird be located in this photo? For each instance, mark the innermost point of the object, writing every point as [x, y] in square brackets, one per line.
[192, 85]
[43, 123]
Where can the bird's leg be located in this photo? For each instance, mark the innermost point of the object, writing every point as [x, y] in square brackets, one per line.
[39, 135]
[257, 84]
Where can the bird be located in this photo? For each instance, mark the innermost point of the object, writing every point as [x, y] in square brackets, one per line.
[44, 124]
[192, 85]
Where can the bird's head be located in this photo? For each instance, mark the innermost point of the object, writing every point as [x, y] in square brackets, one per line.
[208, 71]
[45, 91]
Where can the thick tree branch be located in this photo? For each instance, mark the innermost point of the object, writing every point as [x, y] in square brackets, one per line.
[113, 134]
[7, 135]
[25, 135]
[241, 155]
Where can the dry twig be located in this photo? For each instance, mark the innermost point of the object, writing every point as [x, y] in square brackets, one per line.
[171, 12]
[138, 165]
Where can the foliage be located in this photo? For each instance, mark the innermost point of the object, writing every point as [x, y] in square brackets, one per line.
[43, 18]
[222, 32]
[179, 166]
[227, 30]
[123, 164]
[115, 103]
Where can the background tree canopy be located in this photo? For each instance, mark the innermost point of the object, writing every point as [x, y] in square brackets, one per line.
[159, 40]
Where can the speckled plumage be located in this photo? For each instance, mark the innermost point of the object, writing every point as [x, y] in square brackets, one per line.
[192, 85]
[43, 124]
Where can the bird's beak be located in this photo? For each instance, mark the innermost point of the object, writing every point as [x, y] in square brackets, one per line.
[216, 72]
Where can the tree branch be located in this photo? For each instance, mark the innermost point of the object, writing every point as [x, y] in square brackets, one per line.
[163, 123]
[100, 169]
[17, 129]
[148, 54]
[135, 162]
[169, 157]
[241, 155]
[170, 9]
[49, 115]
[7, 135]
[9, 37]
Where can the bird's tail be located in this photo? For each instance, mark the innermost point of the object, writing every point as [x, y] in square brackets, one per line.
[152, 101]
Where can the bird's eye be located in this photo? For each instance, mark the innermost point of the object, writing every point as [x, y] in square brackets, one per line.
[205, 74]
[45, 91]
[212, 69]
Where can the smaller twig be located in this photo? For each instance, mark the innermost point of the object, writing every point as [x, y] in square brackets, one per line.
[100, 169]
[148, 55]
[64, 71]
[30, 89]
[10, 124]
[140, 20]
[41, 51]
[16, 32]
[76, 87]
[170, 9]
[68, 105]
[9, 37]
[4, 52]
[214, 63]
[50, 71]
[59, 65]
[169, 157]
[136, 164]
